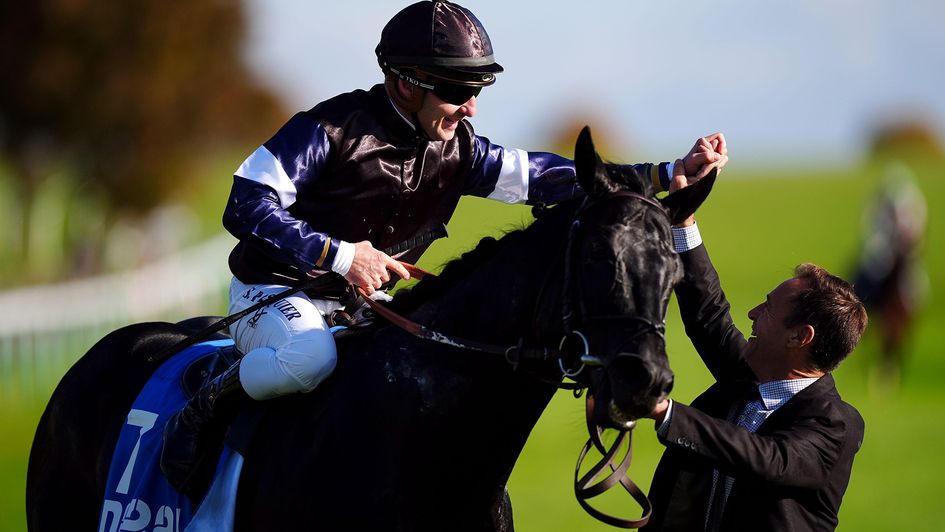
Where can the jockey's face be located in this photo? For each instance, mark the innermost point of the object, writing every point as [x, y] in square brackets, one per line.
[440, 119]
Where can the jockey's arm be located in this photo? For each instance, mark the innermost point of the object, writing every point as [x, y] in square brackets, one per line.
[264, 189]
[516, 176]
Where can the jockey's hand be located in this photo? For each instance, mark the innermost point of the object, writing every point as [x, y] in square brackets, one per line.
[371, 268]
[707, 153]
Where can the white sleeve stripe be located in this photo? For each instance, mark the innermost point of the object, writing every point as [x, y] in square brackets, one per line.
[263, 167]
[512, 184]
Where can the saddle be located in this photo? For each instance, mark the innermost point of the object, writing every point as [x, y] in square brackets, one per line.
[206, 368]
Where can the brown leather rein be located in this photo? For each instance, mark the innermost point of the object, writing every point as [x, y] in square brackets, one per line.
[513, 354]
[585, 488]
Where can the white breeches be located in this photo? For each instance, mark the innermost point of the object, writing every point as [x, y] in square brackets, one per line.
[287, 345]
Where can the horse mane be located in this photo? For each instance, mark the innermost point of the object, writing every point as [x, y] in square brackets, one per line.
[409, 299]
[456, 270]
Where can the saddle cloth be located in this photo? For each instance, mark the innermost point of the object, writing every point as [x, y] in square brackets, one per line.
[137, 496]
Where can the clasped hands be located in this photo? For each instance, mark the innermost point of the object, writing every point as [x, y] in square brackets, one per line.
[707, 153]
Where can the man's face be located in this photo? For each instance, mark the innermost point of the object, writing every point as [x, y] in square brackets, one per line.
[767, 346]
[440, 119]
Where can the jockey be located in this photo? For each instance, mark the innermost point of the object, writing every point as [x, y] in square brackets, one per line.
[336, 184]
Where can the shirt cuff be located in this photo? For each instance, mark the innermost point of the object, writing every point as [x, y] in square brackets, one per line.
[686, 238]
[343, 258]
[663, 429]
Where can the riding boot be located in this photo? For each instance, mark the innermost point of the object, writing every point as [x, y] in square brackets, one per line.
[193, 437]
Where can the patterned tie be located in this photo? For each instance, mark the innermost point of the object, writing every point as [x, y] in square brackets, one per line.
[751, 417]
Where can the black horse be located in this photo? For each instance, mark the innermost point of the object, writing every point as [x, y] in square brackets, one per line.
[410, 434]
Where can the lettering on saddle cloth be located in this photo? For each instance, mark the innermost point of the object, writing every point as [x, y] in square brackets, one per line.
[137, 496]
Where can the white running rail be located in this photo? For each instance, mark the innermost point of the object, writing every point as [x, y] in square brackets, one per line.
[45, 329]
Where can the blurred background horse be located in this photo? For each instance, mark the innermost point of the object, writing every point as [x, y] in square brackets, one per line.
[890, 278]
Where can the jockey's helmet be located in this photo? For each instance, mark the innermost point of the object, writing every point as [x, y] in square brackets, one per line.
[441, 39]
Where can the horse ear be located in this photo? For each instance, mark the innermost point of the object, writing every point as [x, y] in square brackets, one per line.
[683, 203]
[587, 164]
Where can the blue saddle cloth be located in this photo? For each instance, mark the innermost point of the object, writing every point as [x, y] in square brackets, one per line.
[137, 496]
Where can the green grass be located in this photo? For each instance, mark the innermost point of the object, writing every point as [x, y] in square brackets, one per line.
[19, 423]
[757, 228]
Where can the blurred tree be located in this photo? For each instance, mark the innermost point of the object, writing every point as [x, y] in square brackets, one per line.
[565, 135]
[127, 94]
[905, 138]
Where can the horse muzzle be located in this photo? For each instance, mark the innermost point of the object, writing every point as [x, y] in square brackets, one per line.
[637, 384]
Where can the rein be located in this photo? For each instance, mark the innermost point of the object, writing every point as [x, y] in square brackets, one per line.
[585, 488]
[513, 354]
[598, 479]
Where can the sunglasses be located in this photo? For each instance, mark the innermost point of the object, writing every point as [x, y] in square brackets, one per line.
[452, 93]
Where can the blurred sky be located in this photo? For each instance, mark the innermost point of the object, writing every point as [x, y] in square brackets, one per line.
[804, 81]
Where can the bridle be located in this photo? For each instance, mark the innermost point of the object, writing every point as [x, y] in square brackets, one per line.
[573, 311]
[573, 292]
[610, 470]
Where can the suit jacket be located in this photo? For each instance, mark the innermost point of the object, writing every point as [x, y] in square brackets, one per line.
[789, 475]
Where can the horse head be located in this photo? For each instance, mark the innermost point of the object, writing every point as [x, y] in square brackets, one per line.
[622, 272]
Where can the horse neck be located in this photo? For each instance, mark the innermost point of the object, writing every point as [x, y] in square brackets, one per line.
[474, 404]
[497, 304]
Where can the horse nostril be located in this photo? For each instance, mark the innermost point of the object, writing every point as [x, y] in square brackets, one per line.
[636, 373]
[662, 382]
[668, 387]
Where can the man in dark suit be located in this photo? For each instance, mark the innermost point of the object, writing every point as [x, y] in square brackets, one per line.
[770, 445]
